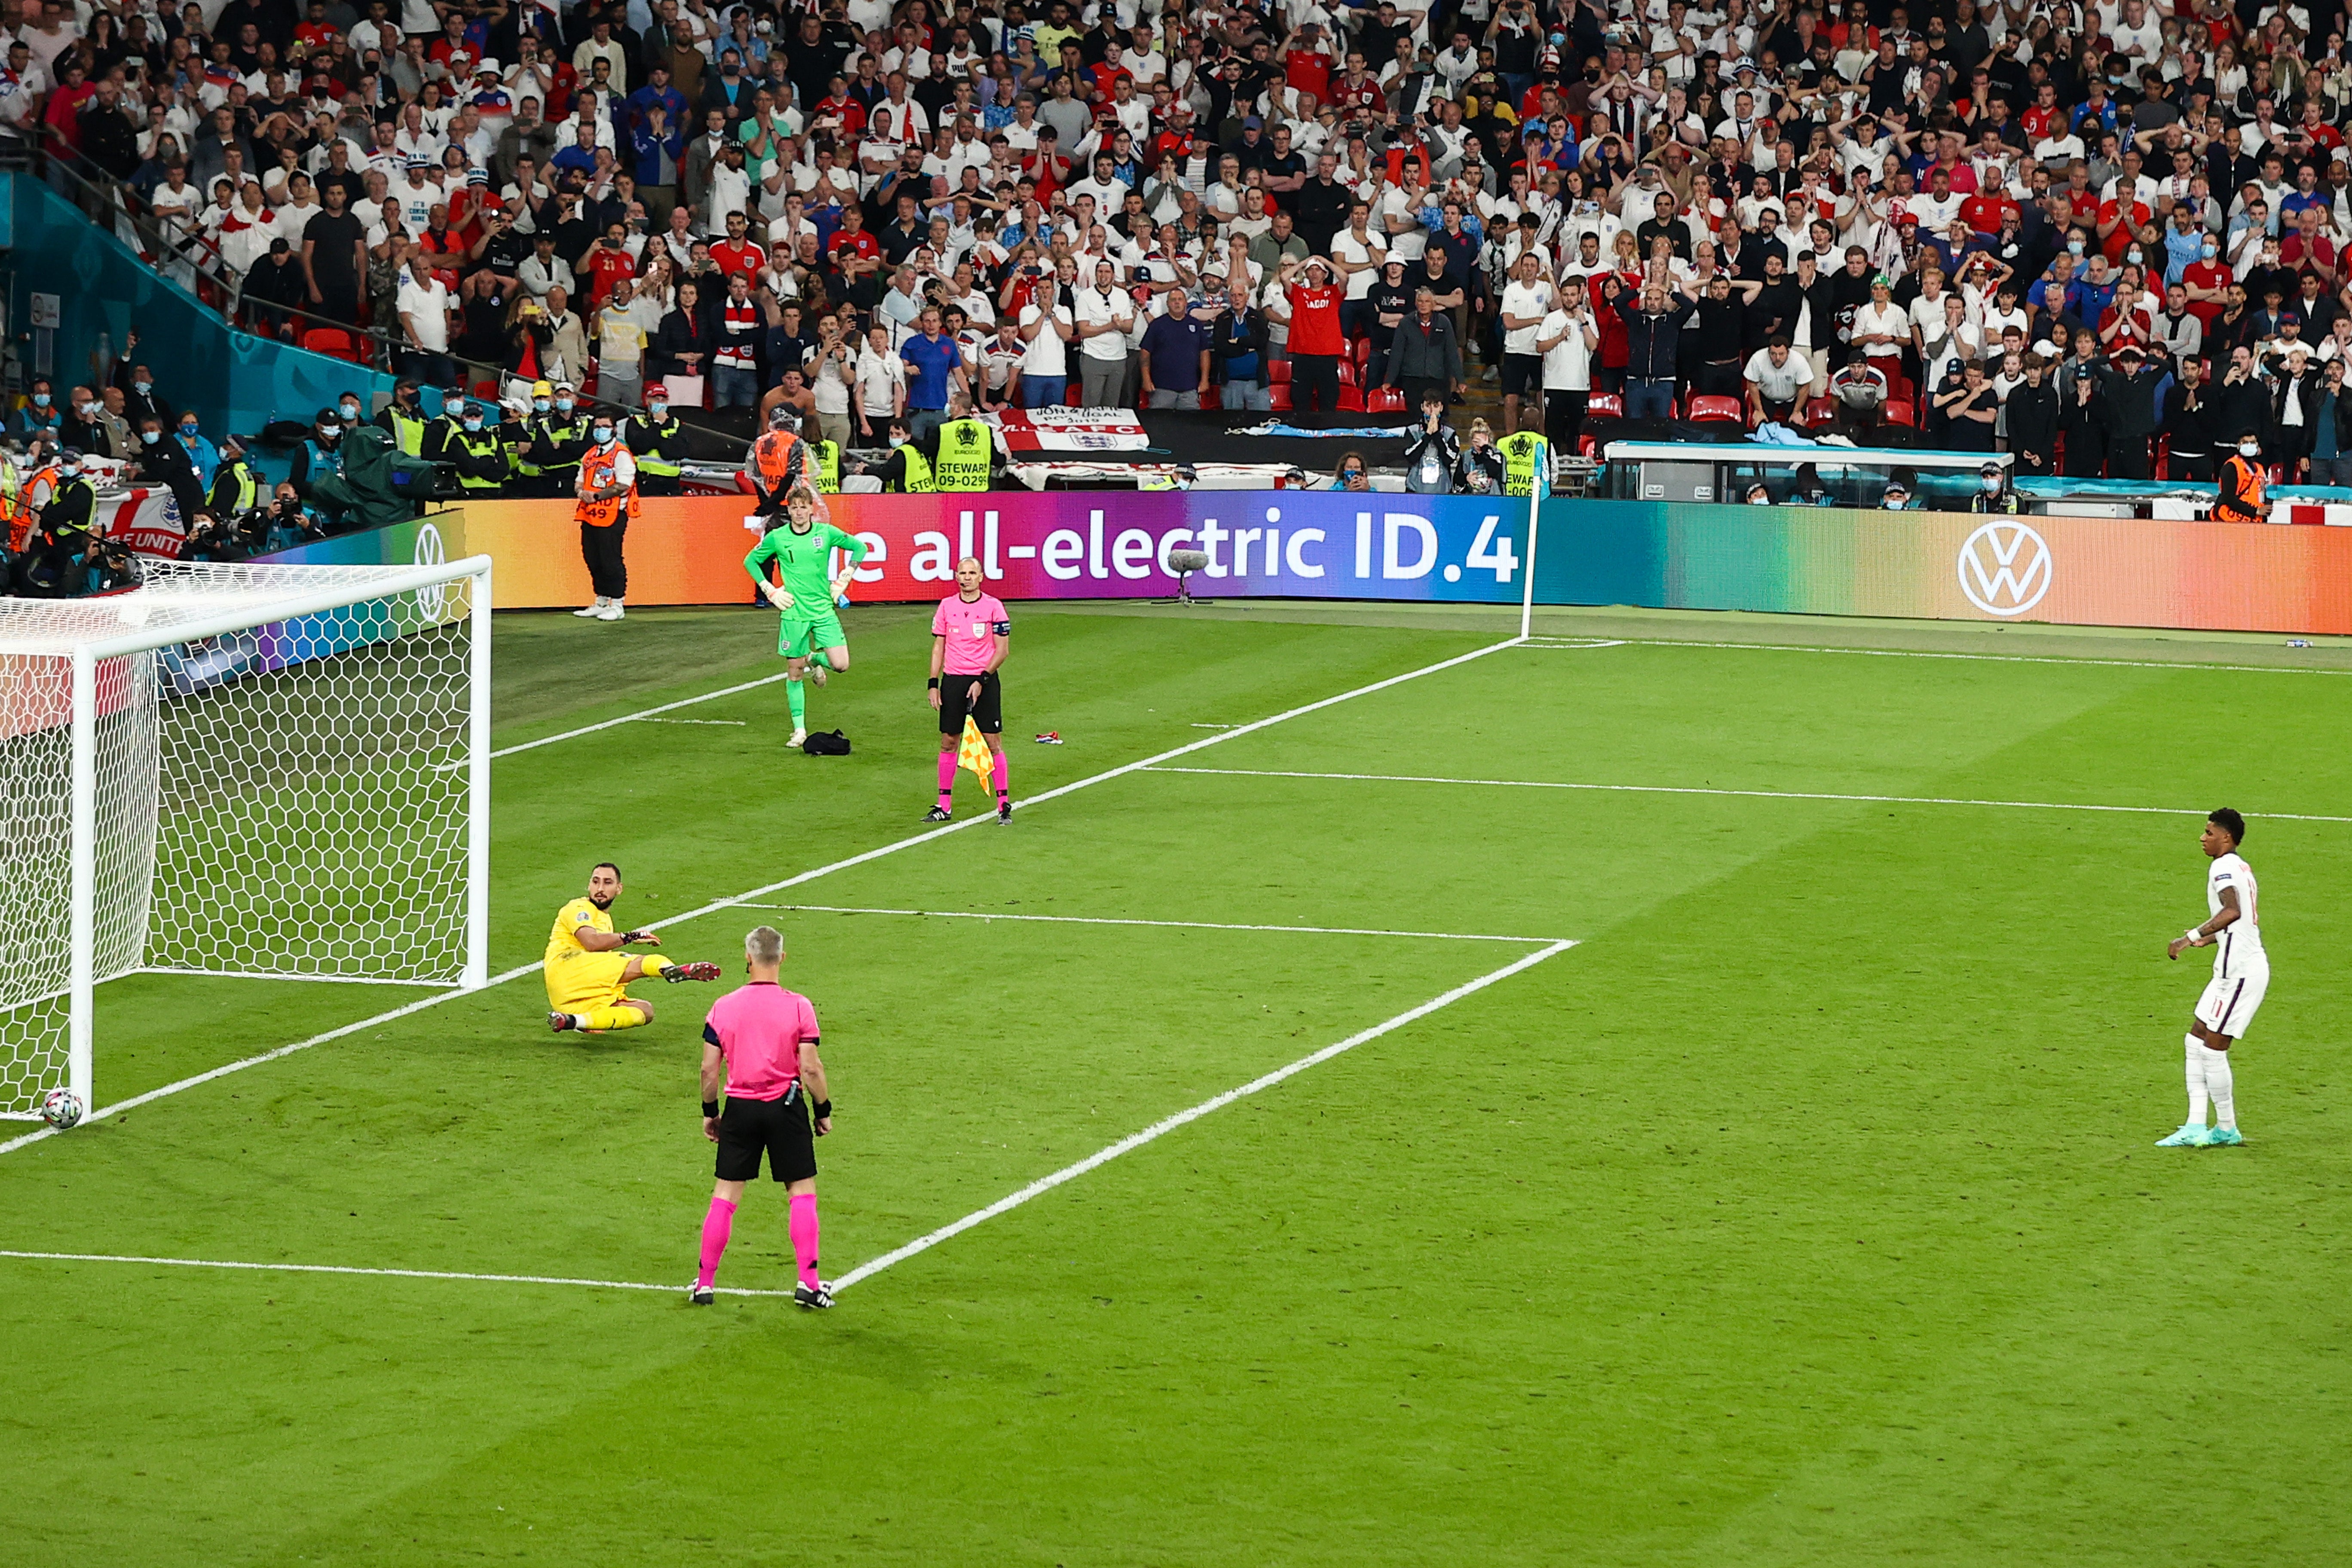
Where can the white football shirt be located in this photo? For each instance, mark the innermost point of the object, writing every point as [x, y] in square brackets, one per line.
[2239, 944]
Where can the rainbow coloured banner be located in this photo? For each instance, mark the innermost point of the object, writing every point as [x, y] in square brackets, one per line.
[2071, 571]
[1060, 545]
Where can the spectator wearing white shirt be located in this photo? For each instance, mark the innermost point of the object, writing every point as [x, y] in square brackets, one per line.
[1777, 379]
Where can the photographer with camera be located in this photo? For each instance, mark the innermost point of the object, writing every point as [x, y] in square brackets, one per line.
[287, 523]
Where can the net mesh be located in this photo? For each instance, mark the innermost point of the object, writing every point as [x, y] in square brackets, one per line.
[289, 799]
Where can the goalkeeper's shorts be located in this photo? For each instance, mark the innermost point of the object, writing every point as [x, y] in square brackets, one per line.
[798, 638]
[579, 982]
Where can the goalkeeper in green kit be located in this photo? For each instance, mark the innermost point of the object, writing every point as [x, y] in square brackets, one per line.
[811, 636]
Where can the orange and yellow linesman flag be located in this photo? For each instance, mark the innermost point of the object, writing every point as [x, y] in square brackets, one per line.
[974, 754]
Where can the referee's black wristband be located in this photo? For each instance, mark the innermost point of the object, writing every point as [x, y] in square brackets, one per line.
[935, 683]
[710, 1109]
[824, 1109]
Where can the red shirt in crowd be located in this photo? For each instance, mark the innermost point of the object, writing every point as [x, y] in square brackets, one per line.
[1315, 320]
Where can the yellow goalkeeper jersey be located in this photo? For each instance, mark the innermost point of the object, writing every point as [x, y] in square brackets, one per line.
[580, 913]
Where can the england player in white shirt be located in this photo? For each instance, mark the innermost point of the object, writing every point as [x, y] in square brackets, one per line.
[2241, 973]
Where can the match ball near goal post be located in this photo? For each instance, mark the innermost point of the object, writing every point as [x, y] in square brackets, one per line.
[272, 772]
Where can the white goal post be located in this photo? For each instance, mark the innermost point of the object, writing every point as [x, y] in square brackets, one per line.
[265, 771]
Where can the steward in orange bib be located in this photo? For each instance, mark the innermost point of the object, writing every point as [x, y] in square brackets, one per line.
[606, 492]
[779, 459]
[2242, 483]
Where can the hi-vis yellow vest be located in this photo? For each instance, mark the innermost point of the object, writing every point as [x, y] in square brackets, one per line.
[965, 450]
[919, 471]
[1523, 455]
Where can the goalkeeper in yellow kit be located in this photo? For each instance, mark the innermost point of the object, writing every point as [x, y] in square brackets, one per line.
[588, 975]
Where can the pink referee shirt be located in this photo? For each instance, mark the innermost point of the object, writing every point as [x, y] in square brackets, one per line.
[759, 1028]
[970, 630]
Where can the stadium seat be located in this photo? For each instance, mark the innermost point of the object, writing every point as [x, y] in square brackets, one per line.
[2163, 469]
[1711, 409]
[332, 340]
[1278, 396]
[1898, 413]
[1346, 373]
[1360, 352]
[1384, 400]
[1280, 375]
[1605, 405]
[1212, 397]
[1351, 398]
[1820, 411]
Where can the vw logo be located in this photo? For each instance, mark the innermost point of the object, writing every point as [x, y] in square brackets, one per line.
[430, 551]
[2005, 568]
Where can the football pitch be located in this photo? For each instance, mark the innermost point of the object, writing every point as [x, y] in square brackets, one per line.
[1677, 1091]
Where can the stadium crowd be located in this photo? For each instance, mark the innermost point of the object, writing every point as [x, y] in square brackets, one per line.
[2057, 229]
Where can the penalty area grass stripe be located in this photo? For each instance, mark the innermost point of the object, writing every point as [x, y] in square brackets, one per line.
[1043, 1184]
[1160, 1128]
[1175, 925]
[761, 892]
[1744, 793]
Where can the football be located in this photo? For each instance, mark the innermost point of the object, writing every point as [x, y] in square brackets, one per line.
[61, 1108]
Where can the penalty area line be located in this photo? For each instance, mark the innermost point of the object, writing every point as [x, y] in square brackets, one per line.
[378, 1273]
[1175, 925]
[1160, 1128]
[716, 905]
[1744, 793]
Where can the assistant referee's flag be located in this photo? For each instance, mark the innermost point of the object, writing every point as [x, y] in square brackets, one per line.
[974, 754]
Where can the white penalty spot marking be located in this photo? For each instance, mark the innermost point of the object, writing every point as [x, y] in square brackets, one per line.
[1744, 793]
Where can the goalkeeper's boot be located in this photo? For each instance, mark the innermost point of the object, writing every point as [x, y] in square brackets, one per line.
[701, 1295]
[818, 670]
[937, 813]
[2193, 1136]
[800, 737]
[2225, 1138]
[559, 1022]
[818, 1299]
[677, 972]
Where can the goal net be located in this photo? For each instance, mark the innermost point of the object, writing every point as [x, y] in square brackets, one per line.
[268, 771]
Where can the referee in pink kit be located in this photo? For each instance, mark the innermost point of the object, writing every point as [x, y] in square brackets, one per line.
[970, 635]
[761, 1039]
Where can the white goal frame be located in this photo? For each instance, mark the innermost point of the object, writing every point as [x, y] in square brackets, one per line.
[184, 619]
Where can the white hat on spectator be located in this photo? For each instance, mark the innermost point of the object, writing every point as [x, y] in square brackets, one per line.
[489, 65]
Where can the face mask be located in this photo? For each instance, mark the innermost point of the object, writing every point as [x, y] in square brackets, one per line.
[1760, 500]
[473, 424]
[88, 410]
[150, 437]
[564, 406]
[187, 431]
[1992, 484]
[603, 435]
[2132, 255]
[2074, 247]
[351, 413]
[1892, 503]
[71, 471]
[2211, 251]
[539, 405]
[40, 400]
[143, 387]
[2250, 448]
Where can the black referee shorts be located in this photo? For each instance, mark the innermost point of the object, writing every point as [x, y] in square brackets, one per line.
[988, 713]
[781, 1128]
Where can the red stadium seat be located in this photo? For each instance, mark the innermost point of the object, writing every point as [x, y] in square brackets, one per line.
[1605, 405]
[1351, 398]
[1384, 400]
[1278, 396]
[1281, 373]
[1360, 352]
[1820, 411]
[332, 340]
[1898, 413]
[1212, 397]
[1716, 410]
[1346, 373]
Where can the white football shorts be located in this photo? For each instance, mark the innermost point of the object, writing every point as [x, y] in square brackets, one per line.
[2227, 1006]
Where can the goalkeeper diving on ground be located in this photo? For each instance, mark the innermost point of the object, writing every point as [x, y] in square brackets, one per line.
[588, 975]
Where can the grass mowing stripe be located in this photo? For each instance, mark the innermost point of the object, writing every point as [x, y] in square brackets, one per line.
[1742, 794]
[1160, 1129]
[1544, 643]
[1179, 925]
[716, 905]
[345, 1269]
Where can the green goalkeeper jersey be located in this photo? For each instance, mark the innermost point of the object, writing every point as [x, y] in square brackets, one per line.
[804, 558]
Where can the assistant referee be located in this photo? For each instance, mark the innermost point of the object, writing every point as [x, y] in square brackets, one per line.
[970, 635]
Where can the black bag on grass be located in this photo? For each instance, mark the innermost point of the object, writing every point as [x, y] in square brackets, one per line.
[823, 744]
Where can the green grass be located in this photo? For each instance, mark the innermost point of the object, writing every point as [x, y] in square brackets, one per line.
[1806, 1213]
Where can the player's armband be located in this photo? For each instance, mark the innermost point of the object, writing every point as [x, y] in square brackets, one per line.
[1002, 628]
